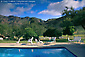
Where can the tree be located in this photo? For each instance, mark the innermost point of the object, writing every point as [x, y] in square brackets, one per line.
[66, 22]
[1, 29]
[79, 18]
[52, 33]
[67, 25]
[39, 29]
[76, 16]
[68, 30]
[17, 31]
[29, 33]
[5, 30]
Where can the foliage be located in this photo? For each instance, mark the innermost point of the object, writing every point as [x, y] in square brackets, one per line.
[76, 16]
[68, 30]
[72, 18]
[52, 33]
[17, 32]
[79, 18]
[16, 26]
[1, 29]
[37, 28]
[5, 30]
[29, 33]
[66, 22]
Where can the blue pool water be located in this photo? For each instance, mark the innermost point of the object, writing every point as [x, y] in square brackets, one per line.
[19, 52]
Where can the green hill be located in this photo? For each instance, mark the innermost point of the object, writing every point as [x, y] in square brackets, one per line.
[38, 25]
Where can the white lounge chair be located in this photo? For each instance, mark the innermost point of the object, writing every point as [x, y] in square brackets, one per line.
[30, 40]
[18, 41]
[54, 39]
[75, 39]
[38, 41]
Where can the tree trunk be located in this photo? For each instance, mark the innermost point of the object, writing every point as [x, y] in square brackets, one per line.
[83, 27]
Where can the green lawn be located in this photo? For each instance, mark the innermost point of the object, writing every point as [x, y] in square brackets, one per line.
[7, 41]
[11, 41]
[47, 40]
[61, 40]
[57, 40]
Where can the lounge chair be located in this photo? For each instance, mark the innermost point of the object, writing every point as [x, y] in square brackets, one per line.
[75, 39]
[54, 39]
[30, 40]
[18, 41]
[38, 41]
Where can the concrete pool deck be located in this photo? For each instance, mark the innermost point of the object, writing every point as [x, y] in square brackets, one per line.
[76, 48]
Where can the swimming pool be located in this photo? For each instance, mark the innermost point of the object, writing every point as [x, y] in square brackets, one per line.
[35, 52]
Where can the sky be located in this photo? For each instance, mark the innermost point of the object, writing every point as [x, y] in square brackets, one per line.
[42, 9]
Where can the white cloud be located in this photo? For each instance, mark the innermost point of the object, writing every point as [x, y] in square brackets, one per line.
[52, 12]
[21, 10]
[32, 12]
[57, 7]
[5, 9]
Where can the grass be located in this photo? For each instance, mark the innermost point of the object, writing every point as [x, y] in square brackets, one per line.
[47, 40]
[57, 40]
[7, 41]
[83, 40]
[11, 41]
[61, 40]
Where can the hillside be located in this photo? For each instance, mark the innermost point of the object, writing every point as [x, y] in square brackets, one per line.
[35, 23]
[38, 25]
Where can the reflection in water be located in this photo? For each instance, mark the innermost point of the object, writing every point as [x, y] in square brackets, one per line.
[32, 50]
[19, 50]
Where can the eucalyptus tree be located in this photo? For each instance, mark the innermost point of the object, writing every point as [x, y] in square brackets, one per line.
[76, 16]
[52, 33]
